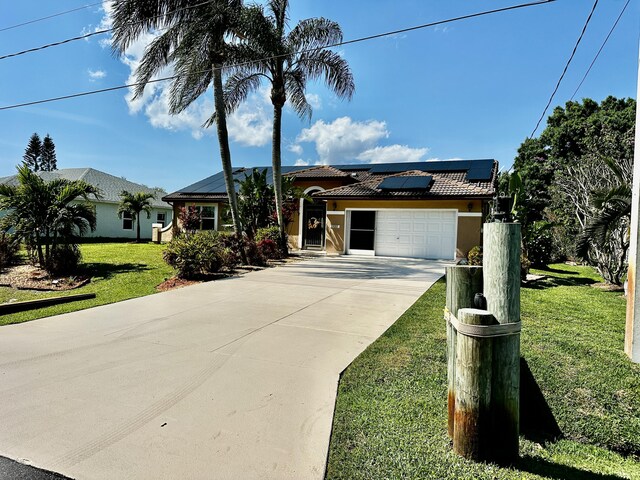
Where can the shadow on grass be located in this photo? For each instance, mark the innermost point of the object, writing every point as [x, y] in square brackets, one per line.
[544, 468]
[551, 282]
[537, 422]
[555, 270]
[108, 270]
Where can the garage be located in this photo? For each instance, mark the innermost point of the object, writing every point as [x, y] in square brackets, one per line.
[427, 234]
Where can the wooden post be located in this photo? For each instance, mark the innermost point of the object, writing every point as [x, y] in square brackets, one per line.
[463, 282]
[472, 431]
[501, 262]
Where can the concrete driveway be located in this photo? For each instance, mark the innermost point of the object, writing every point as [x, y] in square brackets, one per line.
[230, 379]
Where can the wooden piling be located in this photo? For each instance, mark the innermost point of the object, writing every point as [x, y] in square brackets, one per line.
[501, 272]
[474, 358]
[463, 282]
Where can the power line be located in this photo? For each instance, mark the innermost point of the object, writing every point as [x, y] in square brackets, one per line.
[92, 34]
[566, 67]
[36, 20]
[347, 42]
[601, 48]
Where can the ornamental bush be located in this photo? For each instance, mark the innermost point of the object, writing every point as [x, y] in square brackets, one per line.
[64, 259]
[9, 248]
[268, 241]
[199, 254]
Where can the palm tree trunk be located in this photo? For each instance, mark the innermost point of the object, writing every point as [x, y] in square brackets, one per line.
[276, 165]
[137, 227]
[225, 153]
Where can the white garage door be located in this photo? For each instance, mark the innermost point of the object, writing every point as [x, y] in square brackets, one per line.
[416, 233]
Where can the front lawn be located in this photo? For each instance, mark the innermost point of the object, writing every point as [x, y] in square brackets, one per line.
[119, 271]
[391, 415]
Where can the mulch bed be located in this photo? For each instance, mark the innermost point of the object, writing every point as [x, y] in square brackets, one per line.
[28, 277]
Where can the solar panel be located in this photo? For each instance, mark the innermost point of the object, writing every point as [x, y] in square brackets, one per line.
[406, 183]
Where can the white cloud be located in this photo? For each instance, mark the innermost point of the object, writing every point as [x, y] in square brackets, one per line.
[343, 139]
[392, 154]
[96, 74]
[314, 100]
[295, 148]
[301, 163]
[250, 125]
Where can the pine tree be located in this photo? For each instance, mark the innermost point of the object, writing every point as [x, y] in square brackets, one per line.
[48, 160]
[33, 153]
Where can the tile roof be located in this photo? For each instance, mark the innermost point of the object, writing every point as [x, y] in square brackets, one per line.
[455, 178]
[321, 171]
[448, 184]
[110, 186]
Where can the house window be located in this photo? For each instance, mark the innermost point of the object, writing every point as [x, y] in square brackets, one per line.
[161, 218]
[127, 221]
[207, 217]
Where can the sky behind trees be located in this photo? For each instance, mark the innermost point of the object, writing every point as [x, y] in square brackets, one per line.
[469, 89]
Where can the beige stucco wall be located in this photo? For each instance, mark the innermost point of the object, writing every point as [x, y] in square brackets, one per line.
[335, 233]
[469, 234]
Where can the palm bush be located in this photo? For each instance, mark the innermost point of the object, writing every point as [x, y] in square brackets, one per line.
[47, 215]
[134, 204]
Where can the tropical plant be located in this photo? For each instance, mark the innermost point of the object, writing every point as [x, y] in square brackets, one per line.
[134, 204]
[192, 38]
[255, 197]
[190, 219]
[287, 60]
[605, 238]
[9, 249]
[47, 215]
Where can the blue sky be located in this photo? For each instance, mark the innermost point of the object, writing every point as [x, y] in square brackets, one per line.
[470, 89]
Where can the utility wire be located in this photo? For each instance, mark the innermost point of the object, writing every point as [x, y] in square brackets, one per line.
[347, 42]
[97, 32]
[566, 67]
[601, 48]
[36, 20]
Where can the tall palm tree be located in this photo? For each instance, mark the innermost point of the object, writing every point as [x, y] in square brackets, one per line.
[47, 214]
[134, 204]
[287, 60]
[193, 41]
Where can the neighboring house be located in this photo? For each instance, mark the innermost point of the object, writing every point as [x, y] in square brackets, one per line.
[108, 224]
[431, 209]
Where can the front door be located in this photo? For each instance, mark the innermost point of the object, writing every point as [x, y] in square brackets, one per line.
[313, 226]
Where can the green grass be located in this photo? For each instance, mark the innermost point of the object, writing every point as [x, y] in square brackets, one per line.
[391, 417]
[119, 271]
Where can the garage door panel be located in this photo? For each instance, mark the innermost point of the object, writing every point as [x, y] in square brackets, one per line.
[420, 234]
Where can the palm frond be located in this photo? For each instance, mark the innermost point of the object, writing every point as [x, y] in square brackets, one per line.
[332, 68]
[314, 33]
[295, 84]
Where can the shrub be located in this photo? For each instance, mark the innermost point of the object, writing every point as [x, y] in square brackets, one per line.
[198, 254]
[189, 218]
[9, 248]
[269, 249]
[235, 243]
[540, 244]
[475, 255]
[64, 259]
[271, 233]
[272, 249]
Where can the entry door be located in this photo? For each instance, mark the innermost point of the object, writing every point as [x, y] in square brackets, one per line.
[313, 228]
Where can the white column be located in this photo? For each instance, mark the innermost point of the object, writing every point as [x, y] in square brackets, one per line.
[632, 332]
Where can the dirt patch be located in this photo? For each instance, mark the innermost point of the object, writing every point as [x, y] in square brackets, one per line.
[175, 282]
[28, 277]
[607, 287]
